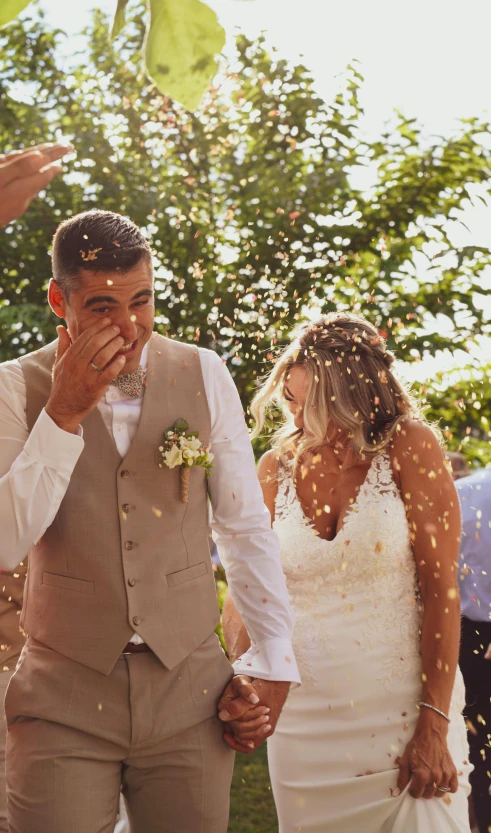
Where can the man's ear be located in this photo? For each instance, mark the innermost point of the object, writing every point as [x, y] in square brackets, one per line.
[56, 299]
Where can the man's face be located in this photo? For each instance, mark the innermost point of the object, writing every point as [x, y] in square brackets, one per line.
[126, 299]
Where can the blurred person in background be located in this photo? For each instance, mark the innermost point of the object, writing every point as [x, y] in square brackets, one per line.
[11, 643]
[475, 649]
[458, 463]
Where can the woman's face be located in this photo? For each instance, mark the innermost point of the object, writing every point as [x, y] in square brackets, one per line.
[295, 390]
[295, 393]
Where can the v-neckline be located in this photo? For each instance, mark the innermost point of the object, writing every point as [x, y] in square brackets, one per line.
[355, 506]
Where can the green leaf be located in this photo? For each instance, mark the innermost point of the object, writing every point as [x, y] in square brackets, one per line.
[183, 38]
[9, 9]
[119, 20]
[180, 426]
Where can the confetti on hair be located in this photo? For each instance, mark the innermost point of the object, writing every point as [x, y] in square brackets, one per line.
[91, 254]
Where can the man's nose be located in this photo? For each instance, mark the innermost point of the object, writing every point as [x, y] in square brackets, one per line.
[127, 325]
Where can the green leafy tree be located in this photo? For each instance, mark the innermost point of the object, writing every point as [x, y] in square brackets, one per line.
[250, 202]
[460, 402]
[182, 40]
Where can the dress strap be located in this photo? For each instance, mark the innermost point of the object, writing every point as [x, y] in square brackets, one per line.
[380, 477]
[286, 487]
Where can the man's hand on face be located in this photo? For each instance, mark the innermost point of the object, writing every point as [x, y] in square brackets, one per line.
[77, 384]
[24, 173]
[250, 710]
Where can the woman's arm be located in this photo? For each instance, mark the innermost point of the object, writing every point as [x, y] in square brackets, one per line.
[433, 514]
[236, 637]
[234, 631]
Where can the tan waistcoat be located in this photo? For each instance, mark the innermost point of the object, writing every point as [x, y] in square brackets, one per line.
[124, 554]
[11, 637]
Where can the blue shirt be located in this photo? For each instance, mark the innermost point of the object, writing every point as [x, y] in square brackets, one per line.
[475, 549]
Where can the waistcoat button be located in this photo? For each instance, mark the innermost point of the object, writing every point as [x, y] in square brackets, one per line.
[126, 507]
[132, 582]
[136, 620]
[125, 473]
[128, 545]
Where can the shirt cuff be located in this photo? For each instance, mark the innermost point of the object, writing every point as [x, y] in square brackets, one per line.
[52, 447]
[272, 659]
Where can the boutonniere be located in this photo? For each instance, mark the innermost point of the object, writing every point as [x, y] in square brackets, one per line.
[183, 448]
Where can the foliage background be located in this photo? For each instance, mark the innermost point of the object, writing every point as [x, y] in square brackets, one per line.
[251, 207]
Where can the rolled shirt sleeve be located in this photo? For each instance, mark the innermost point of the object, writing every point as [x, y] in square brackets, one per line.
[35, 469]
[247, 546]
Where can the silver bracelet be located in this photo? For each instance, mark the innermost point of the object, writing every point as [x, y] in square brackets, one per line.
[434, 708]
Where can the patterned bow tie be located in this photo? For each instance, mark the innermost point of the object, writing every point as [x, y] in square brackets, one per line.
[131, 383]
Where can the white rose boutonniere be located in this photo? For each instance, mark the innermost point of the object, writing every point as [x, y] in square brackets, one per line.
[182, 447]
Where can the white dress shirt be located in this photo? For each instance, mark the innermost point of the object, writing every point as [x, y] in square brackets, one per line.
[35, 471]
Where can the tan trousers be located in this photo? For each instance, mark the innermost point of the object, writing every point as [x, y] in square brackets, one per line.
[5, 677]
[75, 735]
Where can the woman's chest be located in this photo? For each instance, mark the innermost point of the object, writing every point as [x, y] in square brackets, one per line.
[372, 545]
[327, 497]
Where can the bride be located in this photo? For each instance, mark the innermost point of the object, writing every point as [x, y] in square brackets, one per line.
[369, 526]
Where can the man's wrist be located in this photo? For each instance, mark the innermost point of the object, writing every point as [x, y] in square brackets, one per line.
[68, 425]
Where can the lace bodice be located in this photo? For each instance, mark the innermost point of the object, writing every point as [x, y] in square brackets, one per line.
[367, 572]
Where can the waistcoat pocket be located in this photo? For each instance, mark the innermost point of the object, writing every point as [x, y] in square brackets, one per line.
[187, 575]
[67, 583]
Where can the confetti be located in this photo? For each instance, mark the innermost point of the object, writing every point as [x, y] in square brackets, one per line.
[91, 254]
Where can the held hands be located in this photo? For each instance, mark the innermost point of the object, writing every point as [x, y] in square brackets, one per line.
[426, 764]
[77, 383]
[24, 173]
[250, 711]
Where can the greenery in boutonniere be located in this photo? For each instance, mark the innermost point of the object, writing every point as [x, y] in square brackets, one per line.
[182, 447]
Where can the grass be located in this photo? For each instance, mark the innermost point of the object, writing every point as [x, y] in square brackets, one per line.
[252, 807]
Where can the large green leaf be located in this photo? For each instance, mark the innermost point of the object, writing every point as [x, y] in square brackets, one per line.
[183, 38]
[119, 19]
[9, 9]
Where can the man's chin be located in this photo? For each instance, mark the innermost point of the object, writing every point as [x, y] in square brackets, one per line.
[130, 366]
[133, 359]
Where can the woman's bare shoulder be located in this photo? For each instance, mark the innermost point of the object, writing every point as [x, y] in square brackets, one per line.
[267, 471]
[267, 468]
[413, 437]
[414, 447]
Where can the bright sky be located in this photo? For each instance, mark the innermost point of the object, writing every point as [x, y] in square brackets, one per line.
[428, 58]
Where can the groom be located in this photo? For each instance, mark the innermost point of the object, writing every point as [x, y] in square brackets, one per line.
[121, 674]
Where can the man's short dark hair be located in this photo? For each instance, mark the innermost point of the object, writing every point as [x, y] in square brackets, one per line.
[96, 241]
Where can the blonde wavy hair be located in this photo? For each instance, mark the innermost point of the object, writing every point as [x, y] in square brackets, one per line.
[351, 388]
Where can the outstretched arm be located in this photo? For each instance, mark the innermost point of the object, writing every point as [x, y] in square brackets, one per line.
[24, 173]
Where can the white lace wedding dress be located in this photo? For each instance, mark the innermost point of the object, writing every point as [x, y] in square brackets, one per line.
[357, 639]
